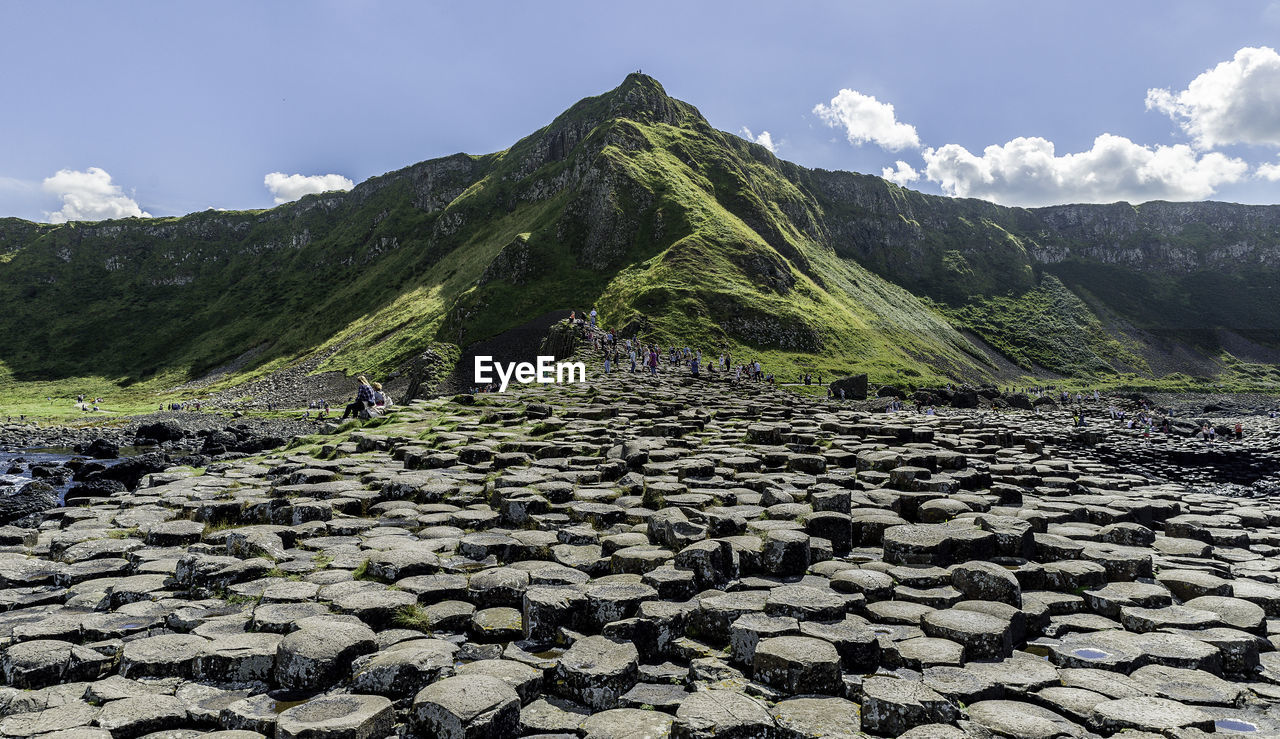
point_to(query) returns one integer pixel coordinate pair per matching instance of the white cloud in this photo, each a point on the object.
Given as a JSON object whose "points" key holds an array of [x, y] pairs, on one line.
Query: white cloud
{"points": [[1027, 172], [1269, 172], [1236, 102], [902, 175], [290, 187], [89, 196], [866, 119], [765, 138]]}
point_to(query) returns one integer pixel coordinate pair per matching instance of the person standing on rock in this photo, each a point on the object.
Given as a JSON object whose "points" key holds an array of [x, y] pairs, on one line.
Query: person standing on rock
{"points": [[593, 317], [364, 399]]}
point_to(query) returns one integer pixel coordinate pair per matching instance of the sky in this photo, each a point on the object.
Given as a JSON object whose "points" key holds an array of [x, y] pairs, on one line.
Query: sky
{"points": [[162, 108]]}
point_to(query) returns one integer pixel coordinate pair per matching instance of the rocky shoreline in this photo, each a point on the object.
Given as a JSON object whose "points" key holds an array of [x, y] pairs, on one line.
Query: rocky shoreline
{"points": [[178, 428], [73, 465], [671, 556]]}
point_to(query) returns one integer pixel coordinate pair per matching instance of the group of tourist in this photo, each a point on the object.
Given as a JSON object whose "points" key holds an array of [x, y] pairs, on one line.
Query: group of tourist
{"points": [[616, 353]]}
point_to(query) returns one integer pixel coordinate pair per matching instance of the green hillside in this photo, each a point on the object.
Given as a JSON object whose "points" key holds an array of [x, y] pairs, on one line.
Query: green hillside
{"points": [[630, 201]]}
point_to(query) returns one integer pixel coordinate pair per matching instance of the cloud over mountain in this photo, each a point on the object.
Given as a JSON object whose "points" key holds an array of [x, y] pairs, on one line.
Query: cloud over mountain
{"points": [[289, 187], [1028, 172], [89, 196]]}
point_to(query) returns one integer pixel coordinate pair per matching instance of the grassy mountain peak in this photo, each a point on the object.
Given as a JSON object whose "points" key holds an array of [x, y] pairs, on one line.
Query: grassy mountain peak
{"points": [[632, 202]]}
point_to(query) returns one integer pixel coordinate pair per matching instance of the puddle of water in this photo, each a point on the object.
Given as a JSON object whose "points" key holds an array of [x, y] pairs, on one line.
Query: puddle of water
{"points": [[1090, 653], [1038, 650], [282, 706], [548, 654], [1231, 724]]}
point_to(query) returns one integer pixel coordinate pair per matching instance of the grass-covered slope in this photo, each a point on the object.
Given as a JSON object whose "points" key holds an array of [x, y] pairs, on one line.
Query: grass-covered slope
{"points": [[630, 201]]}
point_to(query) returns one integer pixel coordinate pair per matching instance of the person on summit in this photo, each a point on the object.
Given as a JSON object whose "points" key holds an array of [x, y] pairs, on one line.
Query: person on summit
{"points": [[364, 399]]}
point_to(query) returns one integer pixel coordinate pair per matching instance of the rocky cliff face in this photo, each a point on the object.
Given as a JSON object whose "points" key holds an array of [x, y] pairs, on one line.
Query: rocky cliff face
{"points": [[1162, 237]]}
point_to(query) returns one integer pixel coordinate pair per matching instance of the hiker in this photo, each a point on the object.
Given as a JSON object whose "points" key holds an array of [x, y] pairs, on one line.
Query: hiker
{"points": [[653, 360], [693, 366], [1239, 431], [364, 399], [631, 353], [593, 317]]}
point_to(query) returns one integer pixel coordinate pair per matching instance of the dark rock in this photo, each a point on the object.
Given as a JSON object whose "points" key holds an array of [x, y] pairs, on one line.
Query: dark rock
{"points": [[33, 498]]}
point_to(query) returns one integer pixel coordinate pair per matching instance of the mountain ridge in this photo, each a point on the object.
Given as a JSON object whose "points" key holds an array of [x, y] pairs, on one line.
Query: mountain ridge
{"points": [[633, 201]]}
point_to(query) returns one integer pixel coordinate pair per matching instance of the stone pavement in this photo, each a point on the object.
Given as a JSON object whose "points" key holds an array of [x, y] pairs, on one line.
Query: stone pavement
{"points": [[648, 557]]}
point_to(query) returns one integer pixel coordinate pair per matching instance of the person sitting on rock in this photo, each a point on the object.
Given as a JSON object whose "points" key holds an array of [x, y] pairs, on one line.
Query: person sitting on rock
{"points": [[380, 399], [364, 399]]}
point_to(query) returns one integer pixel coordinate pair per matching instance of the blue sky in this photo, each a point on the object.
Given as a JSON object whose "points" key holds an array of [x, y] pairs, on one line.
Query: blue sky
{"points": [[167, 108]]}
